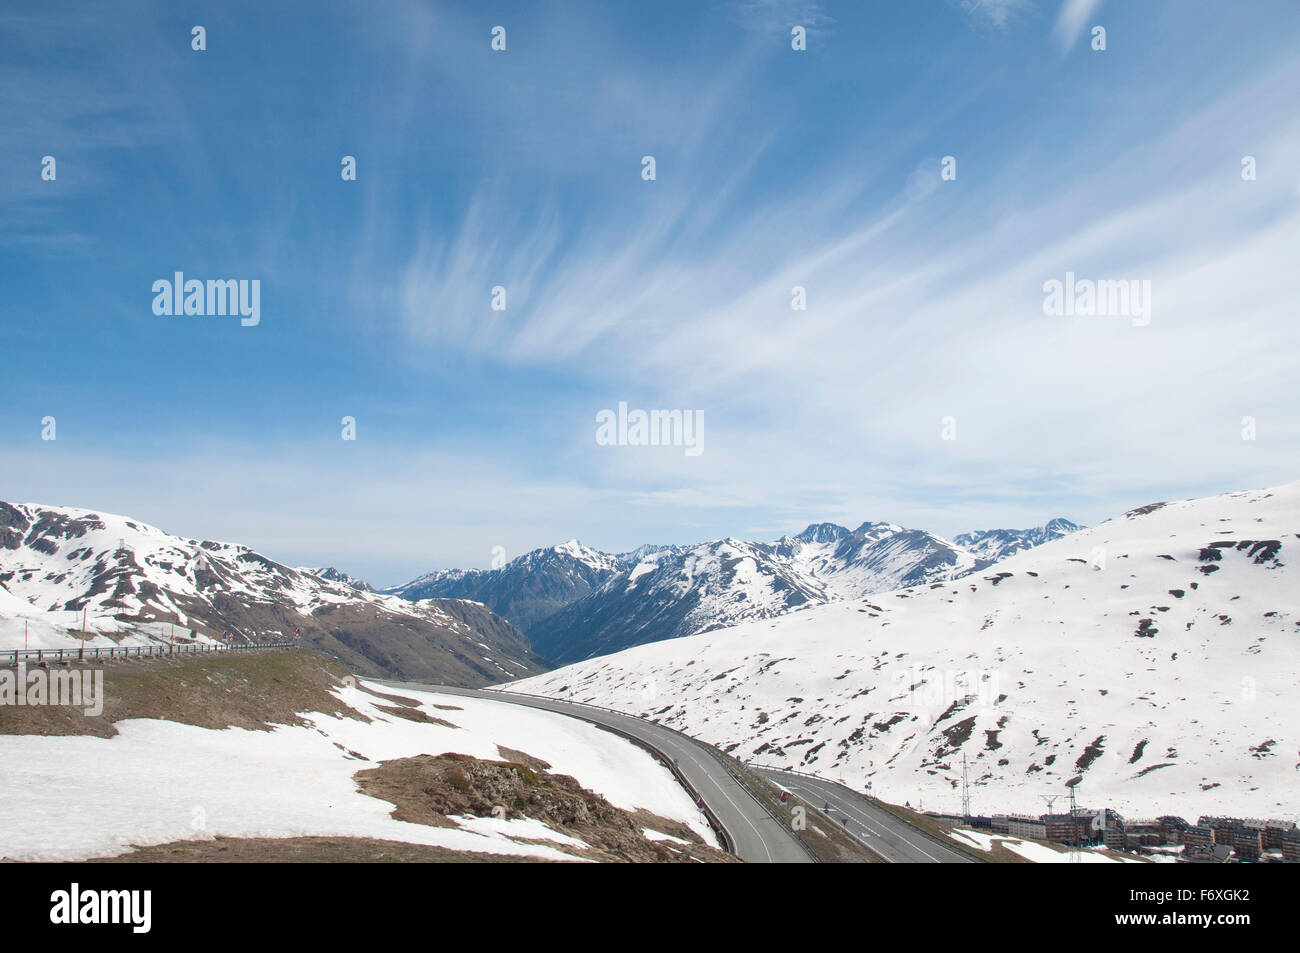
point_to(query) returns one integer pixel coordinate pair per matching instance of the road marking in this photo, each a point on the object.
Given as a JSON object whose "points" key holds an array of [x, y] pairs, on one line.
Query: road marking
{"points": [[712, 781], [829, 796], [809, 794]]}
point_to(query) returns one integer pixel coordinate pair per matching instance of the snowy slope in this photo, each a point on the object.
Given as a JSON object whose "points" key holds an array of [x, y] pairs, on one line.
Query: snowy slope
{"points": [[160, 781], [132, 580], [1154, 658]]}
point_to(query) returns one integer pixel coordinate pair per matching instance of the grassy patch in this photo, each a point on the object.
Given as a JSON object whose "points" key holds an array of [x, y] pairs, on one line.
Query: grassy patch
{"points": [[249, 690]]}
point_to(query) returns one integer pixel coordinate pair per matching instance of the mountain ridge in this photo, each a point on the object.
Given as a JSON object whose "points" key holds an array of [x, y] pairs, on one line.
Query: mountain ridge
{"points": [[62, 568], [575, 602]]}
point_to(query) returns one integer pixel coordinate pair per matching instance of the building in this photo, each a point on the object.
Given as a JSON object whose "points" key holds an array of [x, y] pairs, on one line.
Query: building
{"points": [[1145, 832], [1068, 828], [1247, 843], [1032, 828], [1291, 844], [1274, 832]]}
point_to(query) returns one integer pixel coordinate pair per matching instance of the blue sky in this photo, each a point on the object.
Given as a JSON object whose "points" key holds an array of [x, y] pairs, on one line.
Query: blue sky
{"points": [[522, 168]]}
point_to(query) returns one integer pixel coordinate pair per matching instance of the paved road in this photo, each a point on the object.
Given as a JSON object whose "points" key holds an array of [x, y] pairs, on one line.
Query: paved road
{"points": [[893, 839], [756, 835]]}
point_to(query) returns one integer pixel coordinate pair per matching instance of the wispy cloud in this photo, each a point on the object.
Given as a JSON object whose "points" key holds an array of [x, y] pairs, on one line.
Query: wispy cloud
{"points": [[522, 169], [1072, 20], [997, 13], [778, 16], [899, 333]]}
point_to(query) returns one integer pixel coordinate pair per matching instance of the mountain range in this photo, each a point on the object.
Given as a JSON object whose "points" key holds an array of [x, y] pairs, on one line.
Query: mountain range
{"points": [[550, 606], [1148, 663], [575, 602]]}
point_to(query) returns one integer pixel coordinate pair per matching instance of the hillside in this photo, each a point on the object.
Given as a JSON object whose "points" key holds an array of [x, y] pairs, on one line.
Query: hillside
{"points": [[282, 755], [1149, 661], [132, 583]]}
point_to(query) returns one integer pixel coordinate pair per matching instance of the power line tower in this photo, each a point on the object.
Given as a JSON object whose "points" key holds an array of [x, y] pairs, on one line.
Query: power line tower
{"points": [[965, 788], [1075, 855]]}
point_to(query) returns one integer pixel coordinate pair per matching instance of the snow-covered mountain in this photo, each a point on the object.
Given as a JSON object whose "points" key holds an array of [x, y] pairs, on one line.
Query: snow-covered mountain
{"points": [[670, 593], [1150, 662], [875, 557], [524, 590], [995, 544], [675, 592], [132, 582], [575, 602]]}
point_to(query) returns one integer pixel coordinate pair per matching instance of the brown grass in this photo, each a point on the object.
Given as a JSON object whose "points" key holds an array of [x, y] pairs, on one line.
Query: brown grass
{"points": [[254, 691]]}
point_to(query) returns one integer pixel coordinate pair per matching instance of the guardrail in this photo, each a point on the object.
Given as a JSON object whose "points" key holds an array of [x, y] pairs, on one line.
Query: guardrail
{"points": [[717, 755], [123, 652], [784, 769]]}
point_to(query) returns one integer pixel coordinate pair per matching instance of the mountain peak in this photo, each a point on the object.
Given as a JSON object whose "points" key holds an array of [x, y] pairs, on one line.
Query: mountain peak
{"points": [[822, 533]]}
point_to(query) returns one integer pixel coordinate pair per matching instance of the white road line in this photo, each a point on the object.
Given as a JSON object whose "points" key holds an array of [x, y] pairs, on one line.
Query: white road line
{"points": [[810, 794], [830, 797], [759, 833]]}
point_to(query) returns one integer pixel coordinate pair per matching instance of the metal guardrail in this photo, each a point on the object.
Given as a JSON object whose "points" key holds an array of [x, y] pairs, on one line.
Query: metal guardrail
{"points": [[782, 768], [714, 752], [123, 652]]}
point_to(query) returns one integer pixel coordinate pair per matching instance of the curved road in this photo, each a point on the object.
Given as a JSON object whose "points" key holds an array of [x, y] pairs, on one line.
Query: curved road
{"points": [[896, 841], [757, 837]]}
